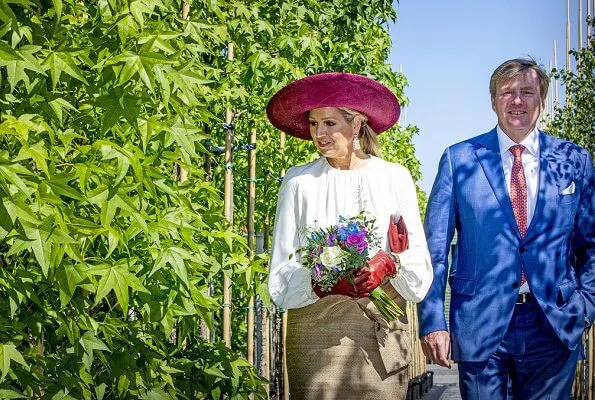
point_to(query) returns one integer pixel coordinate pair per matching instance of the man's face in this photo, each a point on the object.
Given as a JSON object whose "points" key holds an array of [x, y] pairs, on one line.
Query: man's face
{"points": [[518, 103]]}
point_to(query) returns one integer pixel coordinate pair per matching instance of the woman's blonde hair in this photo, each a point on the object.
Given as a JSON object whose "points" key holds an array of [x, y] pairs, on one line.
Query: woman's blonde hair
{"points": [[367, 137]]}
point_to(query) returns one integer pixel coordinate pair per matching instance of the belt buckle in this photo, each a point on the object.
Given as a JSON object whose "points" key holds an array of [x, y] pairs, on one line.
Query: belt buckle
{"points": [[523, 298]]}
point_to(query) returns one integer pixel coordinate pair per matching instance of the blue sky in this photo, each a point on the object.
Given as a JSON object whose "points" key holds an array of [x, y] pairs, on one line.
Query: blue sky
{"points": [[448, 51]]}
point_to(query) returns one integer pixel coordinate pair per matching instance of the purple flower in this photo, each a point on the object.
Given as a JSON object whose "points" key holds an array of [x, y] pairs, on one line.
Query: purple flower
{"points": [[317, 271], [316, 252], [355, 239], [361, 247], [331, 239]]}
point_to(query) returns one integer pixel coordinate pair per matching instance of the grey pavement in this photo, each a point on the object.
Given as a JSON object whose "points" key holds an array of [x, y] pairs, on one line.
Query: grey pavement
{"points": [[446, 383]]}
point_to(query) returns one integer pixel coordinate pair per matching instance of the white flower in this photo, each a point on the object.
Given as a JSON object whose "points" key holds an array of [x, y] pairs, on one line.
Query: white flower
{"points": [[331, 256]]}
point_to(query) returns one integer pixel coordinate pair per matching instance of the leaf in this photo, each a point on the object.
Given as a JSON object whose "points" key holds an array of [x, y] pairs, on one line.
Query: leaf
{"points": [[68, 279], [9, 353], [181, 134], [10, 173], [61, 188], [16, 69], [118, 279], [59, 62], [157, 394], [7, 15], [58, 105], [41, 249], [10, 394], [215, 372], [37, 153], [100, 391], [175, 257], [6, 221], [63, 395], [58, 10], [90, 342], [7, 53]]}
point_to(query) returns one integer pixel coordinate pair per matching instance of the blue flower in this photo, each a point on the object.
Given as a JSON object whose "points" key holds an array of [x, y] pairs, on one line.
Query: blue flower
{"points": [[352, 227], [343, 232]]}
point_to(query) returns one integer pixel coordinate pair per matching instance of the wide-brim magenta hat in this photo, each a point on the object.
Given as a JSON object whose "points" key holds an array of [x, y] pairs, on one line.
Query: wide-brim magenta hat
{"points": [[288, 108]]}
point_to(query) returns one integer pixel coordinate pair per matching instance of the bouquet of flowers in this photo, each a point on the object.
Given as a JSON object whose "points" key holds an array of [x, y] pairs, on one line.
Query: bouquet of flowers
{"points": [[339, 250]]}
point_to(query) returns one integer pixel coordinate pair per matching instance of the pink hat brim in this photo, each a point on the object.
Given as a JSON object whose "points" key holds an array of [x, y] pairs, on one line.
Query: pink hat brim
{"points": [[288, 108]]}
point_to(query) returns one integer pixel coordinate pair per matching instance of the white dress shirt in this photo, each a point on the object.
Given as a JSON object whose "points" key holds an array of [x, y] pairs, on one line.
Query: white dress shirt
{"points": [[316, 194], [530, 159]]}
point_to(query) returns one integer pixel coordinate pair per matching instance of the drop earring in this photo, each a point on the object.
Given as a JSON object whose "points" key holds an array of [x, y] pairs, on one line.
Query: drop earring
{"points": [[356, 144]]}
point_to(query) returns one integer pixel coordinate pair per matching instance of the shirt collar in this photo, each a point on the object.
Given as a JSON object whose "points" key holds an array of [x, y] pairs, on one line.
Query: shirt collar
{"points": [[531, 142]]}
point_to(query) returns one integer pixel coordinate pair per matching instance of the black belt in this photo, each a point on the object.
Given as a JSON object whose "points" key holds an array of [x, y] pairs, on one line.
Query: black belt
{"points": [[523, 298]]}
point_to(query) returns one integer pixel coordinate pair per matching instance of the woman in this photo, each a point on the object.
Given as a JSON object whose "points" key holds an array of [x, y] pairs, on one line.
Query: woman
{"points": [[338, 345]]}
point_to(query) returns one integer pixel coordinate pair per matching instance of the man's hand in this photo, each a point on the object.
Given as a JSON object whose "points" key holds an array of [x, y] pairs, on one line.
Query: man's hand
{"points": [[436, 346]]}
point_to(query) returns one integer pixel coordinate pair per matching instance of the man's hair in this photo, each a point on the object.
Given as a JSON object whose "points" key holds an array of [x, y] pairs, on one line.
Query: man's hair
{"points": [[512, 68]]}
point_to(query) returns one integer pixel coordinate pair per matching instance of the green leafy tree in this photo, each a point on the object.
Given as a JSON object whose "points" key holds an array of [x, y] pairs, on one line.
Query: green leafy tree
{"points": [[105, 253], [576, 120]]}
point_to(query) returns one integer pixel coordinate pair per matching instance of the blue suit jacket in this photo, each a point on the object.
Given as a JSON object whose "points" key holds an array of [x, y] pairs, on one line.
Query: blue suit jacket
{"points": [[557, 253]]}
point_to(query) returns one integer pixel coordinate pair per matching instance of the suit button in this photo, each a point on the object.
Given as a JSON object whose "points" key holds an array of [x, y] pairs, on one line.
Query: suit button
{"points": [[515, 285], [522, 249]]}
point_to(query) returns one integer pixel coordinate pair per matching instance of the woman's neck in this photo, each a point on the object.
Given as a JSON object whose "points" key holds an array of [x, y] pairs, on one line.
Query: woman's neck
{"points": [[354, 160]]}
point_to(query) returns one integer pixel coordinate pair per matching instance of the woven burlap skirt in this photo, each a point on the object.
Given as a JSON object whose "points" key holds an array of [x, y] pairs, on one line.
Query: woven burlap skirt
{"points": [[341, 348]]}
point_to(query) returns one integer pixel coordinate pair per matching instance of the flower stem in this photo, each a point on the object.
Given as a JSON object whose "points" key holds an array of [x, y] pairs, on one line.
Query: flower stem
{"points": [[385, 305]]}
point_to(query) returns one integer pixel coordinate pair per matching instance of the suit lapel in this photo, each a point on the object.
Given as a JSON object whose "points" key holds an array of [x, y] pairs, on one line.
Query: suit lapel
{"points": [[488, 154], [547, 186]]}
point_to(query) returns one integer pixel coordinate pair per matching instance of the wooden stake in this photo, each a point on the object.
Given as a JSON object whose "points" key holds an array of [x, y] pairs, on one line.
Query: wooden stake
{"points": [[265, 370], [286, 387], [205, 332], [284, 315], [228, 204], [580, 24], [567, 37], [268, 335], [251, 193], [556, 98], [589, 29], [549, 100], [251, 244], [590, 360], [185, 9]]}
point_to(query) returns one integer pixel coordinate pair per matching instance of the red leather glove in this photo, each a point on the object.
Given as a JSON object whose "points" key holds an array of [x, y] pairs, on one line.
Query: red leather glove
{"points": [[398, 237], [371, 276], [342, 287]]}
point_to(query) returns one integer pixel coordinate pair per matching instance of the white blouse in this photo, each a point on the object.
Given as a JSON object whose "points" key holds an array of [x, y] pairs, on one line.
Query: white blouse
{"points": [[316, 194]]}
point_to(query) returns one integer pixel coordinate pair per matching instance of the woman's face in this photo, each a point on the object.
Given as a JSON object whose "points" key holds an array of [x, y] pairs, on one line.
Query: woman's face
{"points": [[331, 132]]}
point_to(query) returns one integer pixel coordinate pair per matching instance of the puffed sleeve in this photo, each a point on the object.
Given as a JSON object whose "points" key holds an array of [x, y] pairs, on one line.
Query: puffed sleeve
{"points": [[289, 283], [415, 276]]}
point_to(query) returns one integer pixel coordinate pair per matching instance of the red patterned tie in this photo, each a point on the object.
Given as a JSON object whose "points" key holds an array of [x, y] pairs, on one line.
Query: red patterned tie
{"points": [[518, 193]]}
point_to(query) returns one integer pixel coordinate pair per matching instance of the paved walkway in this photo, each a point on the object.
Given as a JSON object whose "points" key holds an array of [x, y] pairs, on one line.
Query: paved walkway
{"points": [[446, 383]]}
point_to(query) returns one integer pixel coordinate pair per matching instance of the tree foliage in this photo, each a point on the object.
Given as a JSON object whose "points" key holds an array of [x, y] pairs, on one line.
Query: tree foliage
{"points": [[576, 120], [105, 253]]}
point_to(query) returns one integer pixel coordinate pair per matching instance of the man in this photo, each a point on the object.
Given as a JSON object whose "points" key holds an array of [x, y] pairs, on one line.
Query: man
{"points": [[522, 278]]}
